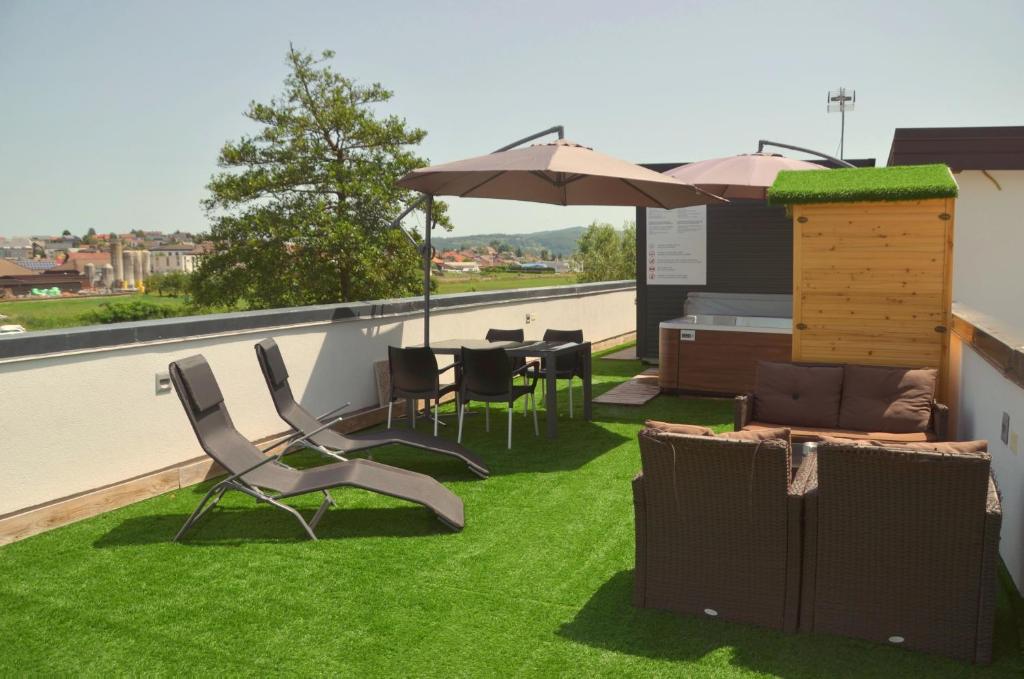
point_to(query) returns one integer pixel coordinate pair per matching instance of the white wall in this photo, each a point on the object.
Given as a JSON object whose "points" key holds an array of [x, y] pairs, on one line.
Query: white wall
{"points": [[59, 438], [985, 395], [988, 248], [988, 288]]}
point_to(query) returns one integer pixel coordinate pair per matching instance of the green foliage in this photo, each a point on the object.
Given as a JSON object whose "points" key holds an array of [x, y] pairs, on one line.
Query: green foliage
{"points": [[556, 242], [901, 182], [300, 212], [135, 310], [170, 283], [604, 254]]}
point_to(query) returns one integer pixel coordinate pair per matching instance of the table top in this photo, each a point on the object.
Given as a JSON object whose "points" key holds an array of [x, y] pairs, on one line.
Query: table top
{"points": [[527, 348]]}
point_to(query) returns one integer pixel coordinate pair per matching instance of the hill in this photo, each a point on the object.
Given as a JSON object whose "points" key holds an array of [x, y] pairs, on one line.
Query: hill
{"points": [[556, 241]]}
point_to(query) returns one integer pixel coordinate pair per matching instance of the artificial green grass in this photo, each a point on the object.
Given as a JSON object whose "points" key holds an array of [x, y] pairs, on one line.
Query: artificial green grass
{"points": [[901, 182], [538, 584]]}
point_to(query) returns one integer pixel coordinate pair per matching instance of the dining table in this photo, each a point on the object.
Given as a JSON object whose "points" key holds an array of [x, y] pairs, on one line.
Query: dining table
{"points": [[545, 350]]}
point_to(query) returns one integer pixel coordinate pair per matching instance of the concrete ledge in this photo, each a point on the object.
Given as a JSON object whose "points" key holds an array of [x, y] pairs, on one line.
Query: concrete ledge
{"points": [[97, 337], [999, 351]]}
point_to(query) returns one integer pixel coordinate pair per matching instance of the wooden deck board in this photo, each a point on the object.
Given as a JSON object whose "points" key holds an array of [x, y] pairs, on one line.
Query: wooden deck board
{"points": [[635, 392]]}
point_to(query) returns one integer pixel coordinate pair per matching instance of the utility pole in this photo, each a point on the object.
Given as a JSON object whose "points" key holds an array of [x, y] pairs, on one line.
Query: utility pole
{"points": [[840, 101]]}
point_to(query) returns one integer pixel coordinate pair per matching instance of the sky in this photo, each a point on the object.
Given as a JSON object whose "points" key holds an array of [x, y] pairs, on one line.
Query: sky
{"points": [[112, 113]]}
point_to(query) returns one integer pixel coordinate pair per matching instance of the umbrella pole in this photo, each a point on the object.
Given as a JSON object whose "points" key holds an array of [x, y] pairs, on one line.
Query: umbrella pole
{"points": [[427, 252]]}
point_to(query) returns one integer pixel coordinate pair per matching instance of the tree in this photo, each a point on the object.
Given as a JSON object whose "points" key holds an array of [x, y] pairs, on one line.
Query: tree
{"points": [[519, 252], [604, 254], [171, 283], [545, 256], [90, 236], [300, 210], [65, 234]]}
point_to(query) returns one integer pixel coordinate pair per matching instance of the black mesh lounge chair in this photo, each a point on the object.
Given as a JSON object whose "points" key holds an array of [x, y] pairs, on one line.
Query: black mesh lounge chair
{"points": [[566, 367], [335, 444], [415, 375], [487, 376], [267, 479]]}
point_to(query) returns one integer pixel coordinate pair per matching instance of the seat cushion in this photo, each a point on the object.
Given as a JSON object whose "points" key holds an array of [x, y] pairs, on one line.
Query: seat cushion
{"points": [[944, 447], [877, 398], [798, 395], [671, 428], [808, 434], [759, 434]]}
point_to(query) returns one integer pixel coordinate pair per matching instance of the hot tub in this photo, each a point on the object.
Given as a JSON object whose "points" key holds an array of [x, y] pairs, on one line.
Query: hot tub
{"points": [[717, 353]]}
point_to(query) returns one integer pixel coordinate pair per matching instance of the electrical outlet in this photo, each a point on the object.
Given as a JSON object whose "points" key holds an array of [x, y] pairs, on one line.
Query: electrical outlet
{"points": [[530, 318], [1004, 433], [163, 383]]}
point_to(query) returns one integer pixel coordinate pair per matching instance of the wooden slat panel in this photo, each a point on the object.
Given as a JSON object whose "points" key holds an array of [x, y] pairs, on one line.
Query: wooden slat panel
{"points": [[872, 283], [668, 358], [726, 362]]}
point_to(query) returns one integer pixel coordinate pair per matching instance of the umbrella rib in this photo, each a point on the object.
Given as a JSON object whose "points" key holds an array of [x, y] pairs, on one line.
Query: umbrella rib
{"points": [[486, 181], [644, 193]]}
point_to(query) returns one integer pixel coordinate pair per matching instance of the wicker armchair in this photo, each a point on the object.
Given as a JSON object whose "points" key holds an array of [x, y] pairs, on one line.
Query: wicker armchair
{"points": [[717, 529], [901, 547]]}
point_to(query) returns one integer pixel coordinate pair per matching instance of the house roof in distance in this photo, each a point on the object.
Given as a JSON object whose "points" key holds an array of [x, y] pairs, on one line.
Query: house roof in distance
{"points": [[9, 268], [962, 148], [849, 185]]}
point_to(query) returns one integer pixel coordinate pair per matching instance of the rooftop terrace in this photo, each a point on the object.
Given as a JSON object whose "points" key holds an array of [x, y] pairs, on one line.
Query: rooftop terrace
{"points": [[538, 584]]}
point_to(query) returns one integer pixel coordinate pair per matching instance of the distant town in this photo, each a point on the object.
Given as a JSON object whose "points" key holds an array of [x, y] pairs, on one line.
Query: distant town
{"points": [[104, 263], [113, 265], [95, 263]]}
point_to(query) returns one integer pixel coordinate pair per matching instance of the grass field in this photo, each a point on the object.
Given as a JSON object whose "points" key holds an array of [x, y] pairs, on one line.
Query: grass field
{"points": [[502, 281], [539, 583], [47, 314]]}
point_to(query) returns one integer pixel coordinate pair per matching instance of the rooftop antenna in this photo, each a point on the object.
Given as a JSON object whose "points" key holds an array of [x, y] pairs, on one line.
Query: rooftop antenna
{"points": [[840, 101]]}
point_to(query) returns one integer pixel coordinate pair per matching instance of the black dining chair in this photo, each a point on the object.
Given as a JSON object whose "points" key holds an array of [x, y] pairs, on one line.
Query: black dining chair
{"points": [[512, 335], [487, 376], [566, 367], [415, 375]]}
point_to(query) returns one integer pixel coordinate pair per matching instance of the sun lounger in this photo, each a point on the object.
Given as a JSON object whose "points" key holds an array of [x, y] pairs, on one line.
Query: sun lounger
{"points": [[333, 443], [266, 479]]}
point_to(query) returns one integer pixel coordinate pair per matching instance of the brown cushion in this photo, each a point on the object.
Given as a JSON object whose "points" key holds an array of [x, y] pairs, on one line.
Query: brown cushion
{"points": [[780, 433], [797, 394], [671, 428], [946, 447], [877, 398], [803, 434]]}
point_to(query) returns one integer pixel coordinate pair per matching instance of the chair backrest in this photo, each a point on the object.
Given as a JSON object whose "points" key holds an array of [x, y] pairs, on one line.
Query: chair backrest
{"points": [[276, 375], [499, 335], [899, 541], [565, 363], [486, 372], [717, 524], [203, 401], [413, 371]]}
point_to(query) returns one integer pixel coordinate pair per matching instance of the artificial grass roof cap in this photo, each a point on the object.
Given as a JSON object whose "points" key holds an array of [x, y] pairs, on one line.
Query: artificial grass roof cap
{"points": [[847, 185]]}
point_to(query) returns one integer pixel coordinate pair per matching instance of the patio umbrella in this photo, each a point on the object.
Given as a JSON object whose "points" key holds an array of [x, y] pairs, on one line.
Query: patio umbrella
{"points": [[744, 176], [559, 173]]}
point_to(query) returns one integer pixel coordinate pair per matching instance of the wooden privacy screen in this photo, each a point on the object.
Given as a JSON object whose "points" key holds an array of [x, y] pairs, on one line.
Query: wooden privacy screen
{"points": [[872, 283]]}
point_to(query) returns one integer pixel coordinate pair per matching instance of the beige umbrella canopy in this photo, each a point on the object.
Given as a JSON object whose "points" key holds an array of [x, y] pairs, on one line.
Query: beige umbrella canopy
{"points": [[559, 173], [745, 176]]}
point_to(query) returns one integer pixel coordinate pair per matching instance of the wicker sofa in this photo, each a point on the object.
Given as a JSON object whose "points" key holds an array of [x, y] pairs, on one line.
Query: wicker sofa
{"points": [[717, 529], [894, 544], [900, 547], [895, 405]]}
